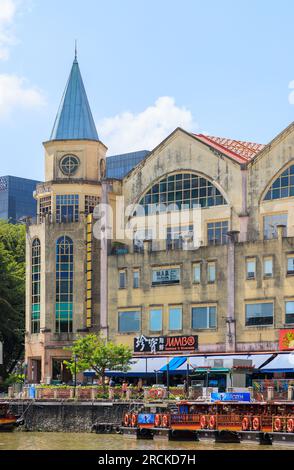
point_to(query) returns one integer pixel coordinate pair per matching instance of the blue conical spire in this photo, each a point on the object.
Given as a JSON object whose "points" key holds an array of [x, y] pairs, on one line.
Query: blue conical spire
{"points": [[74, 120]]}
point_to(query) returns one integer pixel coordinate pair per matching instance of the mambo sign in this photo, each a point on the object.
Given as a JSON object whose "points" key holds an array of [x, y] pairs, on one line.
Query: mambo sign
{"points": [[156, 344]]}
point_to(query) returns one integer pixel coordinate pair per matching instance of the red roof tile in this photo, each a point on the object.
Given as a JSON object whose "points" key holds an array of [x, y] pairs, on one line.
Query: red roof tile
{"points": [[239, 150]]}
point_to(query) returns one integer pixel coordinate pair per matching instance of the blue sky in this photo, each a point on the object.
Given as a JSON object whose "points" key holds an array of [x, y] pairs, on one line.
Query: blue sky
{"points": [[220, 67]]}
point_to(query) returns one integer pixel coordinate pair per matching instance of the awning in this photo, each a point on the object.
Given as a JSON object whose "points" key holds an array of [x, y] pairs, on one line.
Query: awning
{"points": [[280, 363], [207, 362], [142, 367], [149, 366], [174, 364]]}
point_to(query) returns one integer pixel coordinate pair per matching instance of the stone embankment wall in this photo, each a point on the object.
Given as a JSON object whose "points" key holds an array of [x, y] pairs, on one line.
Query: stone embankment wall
{"points": [[68, 416]]}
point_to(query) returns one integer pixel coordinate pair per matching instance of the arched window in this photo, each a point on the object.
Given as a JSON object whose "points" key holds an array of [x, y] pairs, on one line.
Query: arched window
{"points": [[64, 285], [181, 189], [36, 283], [283, 186]]}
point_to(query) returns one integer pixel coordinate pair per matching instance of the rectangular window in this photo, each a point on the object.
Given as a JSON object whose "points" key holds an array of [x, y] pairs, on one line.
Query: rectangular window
{"points": [[197, 273], [270, 223], [289, 309], [90, 203], [175, 318], [136, 279], [259, 314], [203, 317], [122, 280], [67, 208], [155, 319], [176, 237], [268, 267], [45, 207], [165, 276], [139, 237], [290, 265], [211, 272], [129, 321], [251, 268], [217, 233]]}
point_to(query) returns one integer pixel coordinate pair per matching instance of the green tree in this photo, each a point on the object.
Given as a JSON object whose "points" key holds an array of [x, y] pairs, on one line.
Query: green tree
{"points": [[94, 352], [12, 295]]}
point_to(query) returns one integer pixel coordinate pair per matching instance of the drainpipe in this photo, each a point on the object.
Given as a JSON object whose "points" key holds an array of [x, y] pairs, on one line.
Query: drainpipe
{"points": [[104, 266], [230, 318], [244, 216]]}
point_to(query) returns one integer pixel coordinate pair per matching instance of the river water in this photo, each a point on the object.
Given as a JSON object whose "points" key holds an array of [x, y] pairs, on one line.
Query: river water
{"points": [[75, 441]]}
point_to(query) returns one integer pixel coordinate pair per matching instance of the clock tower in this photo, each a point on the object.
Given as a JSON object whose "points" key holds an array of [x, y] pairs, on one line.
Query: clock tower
{"points": [[62, 287]]}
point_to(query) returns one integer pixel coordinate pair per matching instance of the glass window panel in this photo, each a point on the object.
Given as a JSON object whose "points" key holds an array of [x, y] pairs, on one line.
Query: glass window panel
{"points": [[155, 320], [136, 279], [122, 279], [268, 267], [129, 321], [289, 307], [211, 272], [259, 314], [290, 264], [212, 317], [175, 318], [197, 272], [64, 285], [170, 189], [251, 268]]}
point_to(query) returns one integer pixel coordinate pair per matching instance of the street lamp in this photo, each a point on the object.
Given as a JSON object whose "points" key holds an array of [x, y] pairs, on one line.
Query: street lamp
{"points": [[75, 374]]}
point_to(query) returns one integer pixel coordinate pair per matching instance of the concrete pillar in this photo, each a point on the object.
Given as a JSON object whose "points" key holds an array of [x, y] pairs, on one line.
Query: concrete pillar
{"points": [[71, 393], [93, 394], [270, 393], [230, 320], [290, 392], [111, 393], [281, 231], [10, 392], [55, 394], [250, 390], [128, 394], [104, 264]]}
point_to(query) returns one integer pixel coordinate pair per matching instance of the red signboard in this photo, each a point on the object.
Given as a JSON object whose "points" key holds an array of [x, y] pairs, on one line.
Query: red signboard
{"points": [[286, 340]]}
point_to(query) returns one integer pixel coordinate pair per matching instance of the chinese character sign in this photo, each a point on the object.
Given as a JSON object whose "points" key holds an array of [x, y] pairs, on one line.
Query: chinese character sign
{"points": [[165, 344]]}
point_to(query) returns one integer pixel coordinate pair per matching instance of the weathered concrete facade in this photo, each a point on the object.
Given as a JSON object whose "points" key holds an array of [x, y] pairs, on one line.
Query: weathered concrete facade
{"points": [[234, 289]]}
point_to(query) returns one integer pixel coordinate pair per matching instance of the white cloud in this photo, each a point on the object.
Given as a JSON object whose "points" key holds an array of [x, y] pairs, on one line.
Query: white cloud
{"points": [[127, 132], [14, 93], [8, 10]]}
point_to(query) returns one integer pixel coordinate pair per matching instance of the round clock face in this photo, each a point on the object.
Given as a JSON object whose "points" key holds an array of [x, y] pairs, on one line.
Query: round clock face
{"points": [[69, 164]]}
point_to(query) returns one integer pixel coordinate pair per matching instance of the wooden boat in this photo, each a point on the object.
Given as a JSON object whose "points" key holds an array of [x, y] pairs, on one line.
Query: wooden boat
{"points": [[259, 417], [7, 420]]}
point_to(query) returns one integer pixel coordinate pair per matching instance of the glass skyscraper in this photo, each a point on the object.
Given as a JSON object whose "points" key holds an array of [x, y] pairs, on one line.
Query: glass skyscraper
{"points": [[16, 198]]}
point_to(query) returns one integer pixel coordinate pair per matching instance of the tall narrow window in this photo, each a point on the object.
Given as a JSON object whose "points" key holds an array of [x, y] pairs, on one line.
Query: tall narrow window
{"points": [[211, 271], [136, 279], [251, 268], [36, 283], [64, 285], [268, 267], [122, 279], [175, 318], [155, 319], [197, 273]]}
